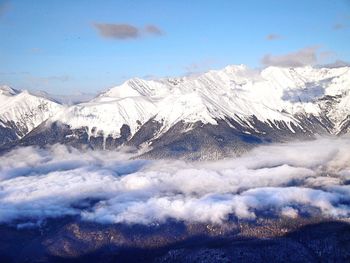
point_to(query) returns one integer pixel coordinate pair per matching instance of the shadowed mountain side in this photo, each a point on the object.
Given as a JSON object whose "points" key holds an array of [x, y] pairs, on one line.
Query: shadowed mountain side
{"points": [[200, 141], [191, 141], [70, 240]]}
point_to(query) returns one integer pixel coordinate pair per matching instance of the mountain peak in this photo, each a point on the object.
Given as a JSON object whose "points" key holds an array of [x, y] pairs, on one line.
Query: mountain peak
{"points": [[236, 68], [8, 91]]}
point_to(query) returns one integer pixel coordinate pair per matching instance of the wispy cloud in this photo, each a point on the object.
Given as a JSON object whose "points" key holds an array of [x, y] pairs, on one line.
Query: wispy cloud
{"points": [[199, 66], [272, 37], [153, 30], [337, 64], [38, 80], [339, 26], [36, 50], [126, 31], [284, 179], [302, 57]]}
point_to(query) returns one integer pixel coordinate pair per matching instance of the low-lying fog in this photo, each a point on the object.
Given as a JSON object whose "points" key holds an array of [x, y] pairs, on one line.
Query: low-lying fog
{"points": [[301, 178]]}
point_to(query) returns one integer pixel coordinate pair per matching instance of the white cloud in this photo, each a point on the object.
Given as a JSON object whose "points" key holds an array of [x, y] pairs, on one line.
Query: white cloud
{"points": [[284, 179]]}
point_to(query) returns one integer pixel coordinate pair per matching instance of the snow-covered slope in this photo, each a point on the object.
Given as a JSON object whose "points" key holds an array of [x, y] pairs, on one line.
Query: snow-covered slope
{"points": [[107, 117], [237, 92], [21, 112]]}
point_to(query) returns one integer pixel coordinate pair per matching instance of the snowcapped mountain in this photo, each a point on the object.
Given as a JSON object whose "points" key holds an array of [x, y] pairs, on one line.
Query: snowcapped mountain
{"points": [[206, 116], [21, 112]]}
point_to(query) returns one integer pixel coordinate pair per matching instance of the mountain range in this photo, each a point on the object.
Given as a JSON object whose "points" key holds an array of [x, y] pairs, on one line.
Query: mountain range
{"points": [[208, 116]]}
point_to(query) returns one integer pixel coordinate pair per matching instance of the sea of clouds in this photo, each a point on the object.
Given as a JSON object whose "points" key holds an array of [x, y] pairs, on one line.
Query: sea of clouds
{"points": [[289, 180]]}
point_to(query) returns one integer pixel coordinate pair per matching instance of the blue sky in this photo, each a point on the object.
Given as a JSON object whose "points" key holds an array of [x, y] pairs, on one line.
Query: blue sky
{"points": [[67, 46]]}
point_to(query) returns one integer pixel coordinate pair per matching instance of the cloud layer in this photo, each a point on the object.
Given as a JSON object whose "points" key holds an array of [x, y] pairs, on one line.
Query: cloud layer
{"points": [[126, 31], [278, 180]]}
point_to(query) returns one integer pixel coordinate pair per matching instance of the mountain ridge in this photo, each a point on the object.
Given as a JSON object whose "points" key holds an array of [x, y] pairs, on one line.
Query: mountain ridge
{"points": [[272, 104]]}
